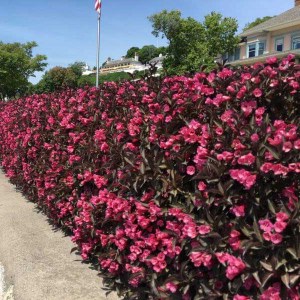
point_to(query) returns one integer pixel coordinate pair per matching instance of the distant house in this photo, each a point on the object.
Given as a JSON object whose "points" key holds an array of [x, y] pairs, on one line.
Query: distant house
{"points": [[86, 70], [123, 65], [158, 61], [277, 36]]}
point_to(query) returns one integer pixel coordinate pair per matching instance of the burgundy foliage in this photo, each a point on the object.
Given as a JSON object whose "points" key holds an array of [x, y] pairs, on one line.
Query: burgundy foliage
{"points": [[176, 188]]}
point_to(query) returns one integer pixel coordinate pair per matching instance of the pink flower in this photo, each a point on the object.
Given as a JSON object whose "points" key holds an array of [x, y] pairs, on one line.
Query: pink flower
{"points": [[172, 287], [227, 156], [239, 210], [247, 159], [222, 257], [287, 146], [266, 225], [204, 229], [255, 138], [244, 177], [272, 293], [190, 170], [257, 93], [241, 297], [201, 186], [281, 216], [234, 240], [271, 60], [279, 226], [201, 258], [248, 107], [219, 130]]}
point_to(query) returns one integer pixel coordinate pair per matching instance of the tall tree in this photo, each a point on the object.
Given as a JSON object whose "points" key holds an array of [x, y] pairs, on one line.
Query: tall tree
{"points": [[192, 43], [132, 51], [17, 64], [56, 79], [77, 67], [257, 21], [147, 53]]}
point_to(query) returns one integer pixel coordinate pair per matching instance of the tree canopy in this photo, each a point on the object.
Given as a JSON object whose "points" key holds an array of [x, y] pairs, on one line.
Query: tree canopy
{"points": [[192, 43], [17, 64], [257, 21], [59, 78], [146, 53]]}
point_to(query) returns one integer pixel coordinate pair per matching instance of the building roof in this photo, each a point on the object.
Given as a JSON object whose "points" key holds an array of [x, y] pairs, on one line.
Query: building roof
{"points": [[157, 59], [286, 19], [112, 63]]}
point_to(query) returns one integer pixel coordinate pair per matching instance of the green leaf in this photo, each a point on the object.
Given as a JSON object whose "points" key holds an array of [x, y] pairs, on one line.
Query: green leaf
{"points": [[268, 267], [292, 252], [286, 280]]}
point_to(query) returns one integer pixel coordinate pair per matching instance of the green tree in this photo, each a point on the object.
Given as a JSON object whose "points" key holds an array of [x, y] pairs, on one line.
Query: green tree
{"points": [[192, 43], [77, 67], [131, 52], [257, 21], [220, 34], [147, 53], [57, 78], [17, 64]]}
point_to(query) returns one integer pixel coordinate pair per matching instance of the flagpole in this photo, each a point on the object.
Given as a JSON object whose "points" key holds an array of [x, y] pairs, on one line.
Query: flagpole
{"points": [[98, 50]]}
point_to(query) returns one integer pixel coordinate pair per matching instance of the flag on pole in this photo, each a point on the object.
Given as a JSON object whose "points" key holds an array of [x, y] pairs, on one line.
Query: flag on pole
{"points": [[98, 6], [98, 9]]}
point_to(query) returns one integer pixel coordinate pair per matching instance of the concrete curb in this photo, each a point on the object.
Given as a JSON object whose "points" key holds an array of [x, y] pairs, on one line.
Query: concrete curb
{"points": [[37, 259], [6, 293]]}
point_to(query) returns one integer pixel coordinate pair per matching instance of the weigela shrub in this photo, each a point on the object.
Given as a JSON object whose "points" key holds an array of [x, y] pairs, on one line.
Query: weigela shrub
{"points": [[176, 188]]}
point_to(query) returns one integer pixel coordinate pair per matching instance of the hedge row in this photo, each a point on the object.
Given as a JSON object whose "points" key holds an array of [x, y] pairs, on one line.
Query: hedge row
{"points": [[175, 188]]}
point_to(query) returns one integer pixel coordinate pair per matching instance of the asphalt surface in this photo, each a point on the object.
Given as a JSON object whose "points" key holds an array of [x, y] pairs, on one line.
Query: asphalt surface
{"points": [[36, 259]]}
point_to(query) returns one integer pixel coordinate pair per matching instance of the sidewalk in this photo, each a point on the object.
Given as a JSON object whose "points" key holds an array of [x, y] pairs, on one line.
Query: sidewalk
{"points": [[36, 259]]}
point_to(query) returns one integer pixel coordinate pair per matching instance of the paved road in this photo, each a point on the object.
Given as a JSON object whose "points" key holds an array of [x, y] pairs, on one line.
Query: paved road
{"points": [[36, 259]]}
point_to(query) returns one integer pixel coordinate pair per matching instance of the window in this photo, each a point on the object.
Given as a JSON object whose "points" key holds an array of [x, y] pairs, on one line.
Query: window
{"points": [[234, 56], [296, 41], [256, 49], [279, 44], [261, 48], [252, 50]]}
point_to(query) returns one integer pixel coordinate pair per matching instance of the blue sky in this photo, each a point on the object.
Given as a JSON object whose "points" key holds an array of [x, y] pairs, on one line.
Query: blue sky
{"points": [[66, 30]]}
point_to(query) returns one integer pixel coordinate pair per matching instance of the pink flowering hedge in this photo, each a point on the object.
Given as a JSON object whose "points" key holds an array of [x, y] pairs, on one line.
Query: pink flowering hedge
{"points": [[181, 188]]}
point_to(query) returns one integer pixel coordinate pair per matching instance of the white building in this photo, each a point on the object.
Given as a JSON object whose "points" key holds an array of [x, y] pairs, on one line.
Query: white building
{"points": [[128, 65], [86, 70]]}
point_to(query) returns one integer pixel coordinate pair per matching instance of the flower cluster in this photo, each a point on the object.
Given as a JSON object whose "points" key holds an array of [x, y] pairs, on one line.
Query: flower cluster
{"points": [[185, 187]]}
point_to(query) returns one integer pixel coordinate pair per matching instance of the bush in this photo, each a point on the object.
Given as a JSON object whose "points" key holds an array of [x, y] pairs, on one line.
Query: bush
{"points": [[181, 188]]}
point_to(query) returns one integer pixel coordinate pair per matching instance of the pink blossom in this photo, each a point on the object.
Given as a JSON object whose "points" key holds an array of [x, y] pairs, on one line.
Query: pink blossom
{"points": [[244, 177], [279, 226], [257, 93], [271, 60], [227, 156], [201, 186], [266, 225], [241, 297], [247, 159], [239, 210], [281, 216], [248, 106], [234, 240], [219, 130], [276, 238], [204, 229], [255, 138], [172, 287], [201, 258], [272, 293], [190, 170]]}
